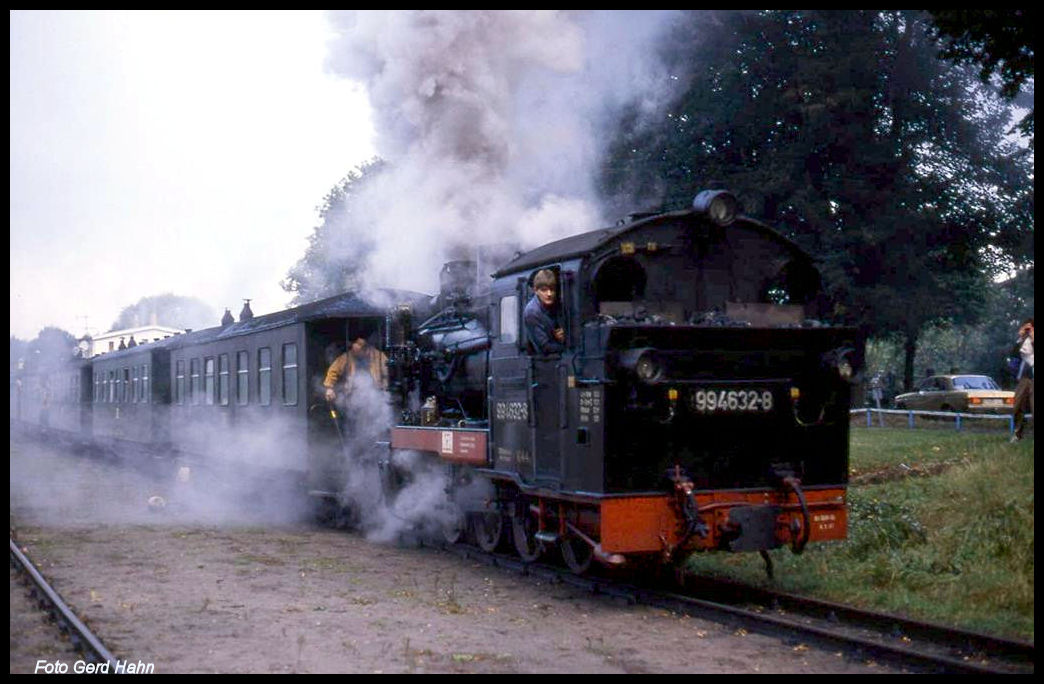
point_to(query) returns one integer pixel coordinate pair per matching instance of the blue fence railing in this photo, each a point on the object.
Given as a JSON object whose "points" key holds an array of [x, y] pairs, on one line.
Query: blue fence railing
{"points": [[957, 417]]}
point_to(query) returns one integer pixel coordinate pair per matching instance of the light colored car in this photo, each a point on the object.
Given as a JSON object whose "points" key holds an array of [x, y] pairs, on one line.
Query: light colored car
{"points": [[963, 393]]}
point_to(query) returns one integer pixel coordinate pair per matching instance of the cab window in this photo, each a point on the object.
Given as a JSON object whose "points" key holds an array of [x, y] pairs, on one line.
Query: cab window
{"points": [[509, 319]]}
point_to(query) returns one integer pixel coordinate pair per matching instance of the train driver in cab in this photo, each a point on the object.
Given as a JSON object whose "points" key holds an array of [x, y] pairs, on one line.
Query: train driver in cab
{"points": [[542, 315]]}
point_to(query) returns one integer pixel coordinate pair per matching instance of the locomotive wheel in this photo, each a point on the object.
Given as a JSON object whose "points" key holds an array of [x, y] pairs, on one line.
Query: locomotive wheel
{"points": [[523, 530], [489, 530], [577, 554], [453, 529]]}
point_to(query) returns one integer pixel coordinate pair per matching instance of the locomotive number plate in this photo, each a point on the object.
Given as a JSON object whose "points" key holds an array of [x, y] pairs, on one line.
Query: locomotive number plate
{"points": [[750, 400]]}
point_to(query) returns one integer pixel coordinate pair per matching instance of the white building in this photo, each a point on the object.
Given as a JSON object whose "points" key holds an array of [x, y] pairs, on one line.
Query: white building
{"points": [[110, 341]]}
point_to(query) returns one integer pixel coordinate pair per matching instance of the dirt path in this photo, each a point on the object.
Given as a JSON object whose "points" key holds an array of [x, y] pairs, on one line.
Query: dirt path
{"points": [[199, 597]]}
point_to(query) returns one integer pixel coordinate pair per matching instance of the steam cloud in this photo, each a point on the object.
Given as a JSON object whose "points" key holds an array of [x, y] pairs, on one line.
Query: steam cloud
{"points": [[491, 123]]}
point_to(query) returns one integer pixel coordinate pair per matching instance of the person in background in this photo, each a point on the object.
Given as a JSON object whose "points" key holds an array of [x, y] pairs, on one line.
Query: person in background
{"points": [[541, 315], [1024, 389]]}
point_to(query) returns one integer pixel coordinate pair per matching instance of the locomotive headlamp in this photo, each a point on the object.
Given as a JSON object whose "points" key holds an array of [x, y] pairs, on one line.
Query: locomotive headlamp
{"points": [[647, 369], [719, 206], [841, 360], [643, 364]]}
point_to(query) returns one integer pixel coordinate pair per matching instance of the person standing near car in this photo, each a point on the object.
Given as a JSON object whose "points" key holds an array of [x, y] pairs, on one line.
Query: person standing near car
{"points": [[1024, 389]]}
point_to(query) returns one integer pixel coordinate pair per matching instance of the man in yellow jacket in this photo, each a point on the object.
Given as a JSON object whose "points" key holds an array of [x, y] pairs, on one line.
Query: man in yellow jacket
{"points": [[360, 360]]}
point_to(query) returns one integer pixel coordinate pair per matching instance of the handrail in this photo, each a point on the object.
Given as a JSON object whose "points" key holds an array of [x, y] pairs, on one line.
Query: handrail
{"points": [[910, 413]]}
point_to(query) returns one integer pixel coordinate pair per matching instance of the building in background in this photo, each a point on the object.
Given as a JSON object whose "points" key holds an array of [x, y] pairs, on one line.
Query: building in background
{"points": [[114, 340]]}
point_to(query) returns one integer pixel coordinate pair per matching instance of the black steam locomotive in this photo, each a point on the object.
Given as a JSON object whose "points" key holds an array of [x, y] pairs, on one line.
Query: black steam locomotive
{"points": [[700, 402]]}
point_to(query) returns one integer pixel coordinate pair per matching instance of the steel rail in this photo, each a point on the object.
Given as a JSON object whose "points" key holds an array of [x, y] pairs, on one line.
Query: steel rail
{"points": [[963, 643], [834, 625], [887, 647], [83, 639]]}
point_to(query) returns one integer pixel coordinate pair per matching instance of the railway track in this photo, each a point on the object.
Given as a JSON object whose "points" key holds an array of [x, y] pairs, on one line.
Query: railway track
{"points": [[862, 635], [83, 640]]}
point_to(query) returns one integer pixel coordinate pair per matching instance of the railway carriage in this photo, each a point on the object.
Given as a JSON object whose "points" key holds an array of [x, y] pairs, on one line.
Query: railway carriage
{"points": [[248, 393], [128, 395], [53, 398]]}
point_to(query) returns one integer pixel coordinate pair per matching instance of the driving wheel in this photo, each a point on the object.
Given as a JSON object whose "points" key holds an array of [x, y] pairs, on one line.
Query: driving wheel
{"points": [[489, 530], [523, 530], [453, 527], [577, 554]]}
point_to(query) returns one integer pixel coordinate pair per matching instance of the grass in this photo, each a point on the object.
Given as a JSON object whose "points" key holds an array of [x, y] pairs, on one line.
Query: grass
{"points": [[940, 529]]}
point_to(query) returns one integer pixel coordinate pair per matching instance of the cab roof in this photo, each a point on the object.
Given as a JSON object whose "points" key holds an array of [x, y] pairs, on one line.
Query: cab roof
{"points": [[586, 243]]}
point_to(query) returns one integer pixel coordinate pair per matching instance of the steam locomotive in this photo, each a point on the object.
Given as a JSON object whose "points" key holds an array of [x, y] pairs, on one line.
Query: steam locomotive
{"points": [[700, 402]]}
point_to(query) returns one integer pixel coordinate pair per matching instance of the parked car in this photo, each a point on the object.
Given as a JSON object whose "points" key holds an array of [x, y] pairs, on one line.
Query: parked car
{"points": [[963, 393]]}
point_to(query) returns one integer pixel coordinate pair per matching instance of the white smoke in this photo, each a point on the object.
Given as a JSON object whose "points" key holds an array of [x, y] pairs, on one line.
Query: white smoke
{"points": [[492, 122], [388, 493]]}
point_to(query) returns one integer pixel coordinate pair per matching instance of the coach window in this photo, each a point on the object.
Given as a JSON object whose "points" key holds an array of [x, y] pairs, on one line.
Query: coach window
{"points": [[179, 382], [264, 376], [242, 378], [126, 385], [223, 380], [208, 380], [509, 319], [290, 374], [134, 385], [145, 383], [195, 383]]}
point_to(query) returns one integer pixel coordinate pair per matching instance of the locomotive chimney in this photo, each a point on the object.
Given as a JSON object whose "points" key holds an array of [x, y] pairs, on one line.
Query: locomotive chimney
{"points": [[457, 281]]}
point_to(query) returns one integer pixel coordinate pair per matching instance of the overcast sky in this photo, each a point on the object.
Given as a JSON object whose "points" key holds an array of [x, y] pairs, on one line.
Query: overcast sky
{"points": [[156, 152]]}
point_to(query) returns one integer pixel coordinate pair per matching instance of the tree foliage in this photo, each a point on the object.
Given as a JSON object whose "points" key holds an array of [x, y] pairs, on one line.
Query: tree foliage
{"points": [[167, 309], [997, 41], [18, 349], [49, 349], [946, 346], [338, 246], [845, 130]]}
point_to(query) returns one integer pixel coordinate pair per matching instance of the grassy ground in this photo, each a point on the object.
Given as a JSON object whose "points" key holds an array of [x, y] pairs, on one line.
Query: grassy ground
{"points": [[940, 528]]}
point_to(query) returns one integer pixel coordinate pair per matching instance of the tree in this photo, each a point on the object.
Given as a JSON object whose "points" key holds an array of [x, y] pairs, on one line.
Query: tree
{"points": [[167, 309], [18, 349], [338, 246], [994, 40], [978, 348], [51, 348], [845, 130]]}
